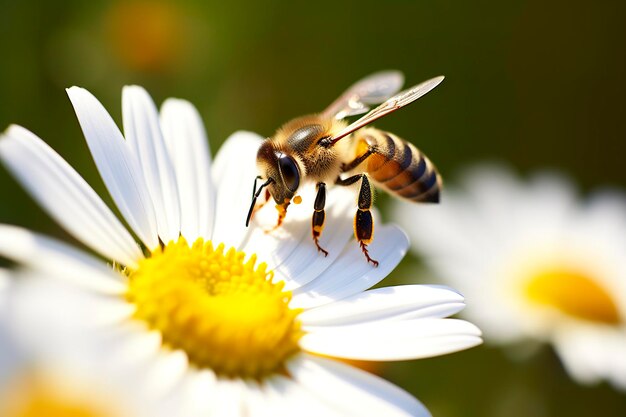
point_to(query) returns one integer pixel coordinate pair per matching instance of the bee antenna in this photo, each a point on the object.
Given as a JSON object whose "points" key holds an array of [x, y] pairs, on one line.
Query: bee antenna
{"points": [[255, 194], [258, 177]]}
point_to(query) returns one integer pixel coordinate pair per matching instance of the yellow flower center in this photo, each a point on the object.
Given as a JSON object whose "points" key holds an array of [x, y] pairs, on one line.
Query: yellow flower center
{"points": [[574, 294], [223, 312]]}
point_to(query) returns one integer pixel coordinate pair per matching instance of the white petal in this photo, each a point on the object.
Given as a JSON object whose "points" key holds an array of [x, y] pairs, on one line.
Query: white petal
{"points": [[306, 263], [138, 354], [415, 301], [276, 246], [133, 347], [292, 399], [354, 392], [351, 273], [257, 402], [615, 360], [66, 196], [59, 260], [187, 145], [290, 250], [65, 310], [229, 400], [166, 372], [143, 133], [200, 393], [575, 358], [279, 396], [234, 171], [5, 281], [63, 322], [591, 353], [11, 355], [392, 340], [117, 166]]}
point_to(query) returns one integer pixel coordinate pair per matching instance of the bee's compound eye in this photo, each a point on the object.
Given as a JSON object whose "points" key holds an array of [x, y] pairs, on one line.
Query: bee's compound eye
{"points": [[289, 172]]}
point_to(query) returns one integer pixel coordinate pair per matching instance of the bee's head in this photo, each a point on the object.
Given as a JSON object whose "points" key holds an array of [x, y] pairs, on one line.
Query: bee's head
{"points": [[281, 172], [281, 169]]}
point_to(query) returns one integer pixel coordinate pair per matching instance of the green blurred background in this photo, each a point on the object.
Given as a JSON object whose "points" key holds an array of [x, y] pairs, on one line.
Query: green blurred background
{"points": [[538, 84]]}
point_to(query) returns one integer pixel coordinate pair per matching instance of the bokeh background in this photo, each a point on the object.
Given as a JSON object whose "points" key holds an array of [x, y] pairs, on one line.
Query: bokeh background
{"points": [[535, 84]]}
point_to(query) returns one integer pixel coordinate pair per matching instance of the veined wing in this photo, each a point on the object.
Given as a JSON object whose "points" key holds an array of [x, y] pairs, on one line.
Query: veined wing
{"points": [[394, 103], [372, 89]]}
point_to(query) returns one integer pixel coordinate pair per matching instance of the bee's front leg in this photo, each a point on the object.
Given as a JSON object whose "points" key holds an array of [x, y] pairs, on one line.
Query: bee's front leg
{"points": [[282, 212], [319, 216], [363, 221]]}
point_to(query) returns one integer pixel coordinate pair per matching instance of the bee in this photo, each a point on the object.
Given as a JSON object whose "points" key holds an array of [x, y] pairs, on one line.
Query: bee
{"points": [[325, 149]]}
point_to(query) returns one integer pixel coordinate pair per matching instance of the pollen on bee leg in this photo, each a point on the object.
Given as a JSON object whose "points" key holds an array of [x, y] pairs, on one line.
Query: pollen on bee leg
{"points": [[282, 212], [297, 200]]}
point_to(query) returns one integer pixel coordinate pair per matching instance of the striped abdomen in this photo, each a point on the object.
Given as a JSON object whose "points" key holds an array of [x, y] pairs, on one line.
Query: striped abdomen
{"points": [[399, 167]]}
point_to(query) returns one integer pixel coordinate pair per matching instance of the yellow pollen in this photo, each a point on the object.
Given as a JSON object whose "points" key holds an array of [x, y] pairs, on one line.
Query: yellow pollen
{"points": [[223, 312], [281, 209], [574, 294]]}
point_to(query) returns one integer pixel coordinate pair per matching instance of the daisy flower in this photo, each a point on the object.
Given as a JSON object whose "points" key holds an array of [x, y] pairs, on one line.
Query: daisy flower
{"points": [[219, 318], [537, 264]]}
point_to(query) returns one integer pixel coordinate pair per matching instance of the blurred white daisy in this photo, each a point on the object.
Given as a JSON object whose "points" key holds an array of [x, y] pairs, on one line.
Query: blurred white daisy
{"points": [[537, 264], [36, 381], [218, 318]]}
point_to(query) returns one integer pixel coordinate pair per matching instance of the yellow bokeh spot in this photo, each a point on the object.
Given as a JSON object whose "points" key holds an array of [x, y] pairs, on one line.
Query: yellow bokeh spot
{"points": [[147, 36], [31, 397], [224, 312], [575, 294]]}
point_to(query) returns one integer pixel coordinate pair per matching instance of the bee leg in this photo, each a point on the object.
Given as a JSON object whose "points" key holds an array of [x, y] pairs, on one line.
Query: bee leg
{"points": [[363, 221], [357, 161], [319, 216], [282, 212]]}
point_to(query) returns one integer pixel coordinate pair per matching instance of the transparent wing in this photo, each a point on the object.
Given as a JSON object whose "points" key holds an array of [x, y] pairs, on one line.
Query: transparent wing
{"points": [[394, 103], [372, 89]]}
